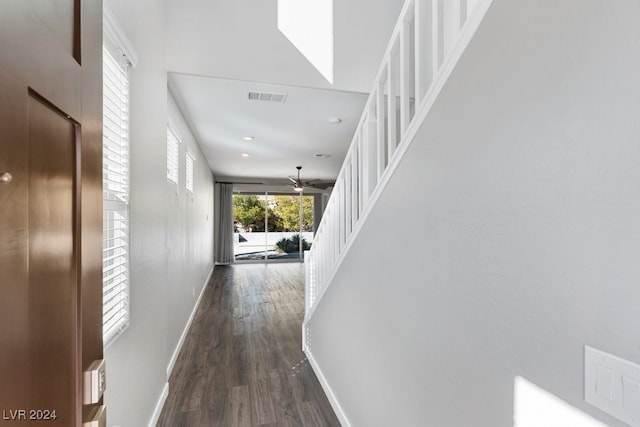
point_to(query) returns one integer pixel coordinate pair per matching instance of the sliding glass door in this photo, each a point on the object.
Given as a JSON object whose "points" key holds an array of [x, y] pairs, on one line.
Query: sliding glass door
{"points": [[272, 226]]}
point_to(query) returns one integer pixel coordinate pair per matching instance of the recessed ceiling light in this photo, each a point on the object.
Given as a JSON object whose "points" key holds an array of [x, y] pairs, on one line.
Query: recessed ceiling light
{"points": [[248, 138], [245, 154], [335, 120]]}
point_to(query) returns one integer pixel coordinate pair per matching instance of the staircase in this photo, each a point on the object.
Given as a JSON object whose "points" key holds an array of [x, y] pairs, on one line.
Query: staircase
{"points": [[425, 46], [504, 135], [427, 42]]}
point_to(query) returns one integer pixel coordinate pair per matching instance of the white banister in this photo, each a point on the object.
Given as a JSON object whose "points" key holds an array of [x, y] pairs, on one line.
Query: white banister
{"points": [[355, 210], [459, 14], [437, 36], [392, 104], [413, 72], [423, 68], [405, 76], [361, 163], [380, 132], [346, 183], [370, 163]]}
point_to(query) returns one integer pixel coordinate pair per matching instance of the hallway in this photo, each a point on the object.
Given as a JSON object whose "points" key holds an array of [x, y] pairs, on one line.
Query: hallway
{"points": [[241, 363]]}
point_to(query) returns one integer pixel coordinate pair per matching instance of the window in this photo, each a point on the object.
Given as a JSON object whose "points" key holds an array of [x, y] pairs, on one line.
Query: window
{"points": [[270, 225], [189, 172], [117, 58], [173, 152]]}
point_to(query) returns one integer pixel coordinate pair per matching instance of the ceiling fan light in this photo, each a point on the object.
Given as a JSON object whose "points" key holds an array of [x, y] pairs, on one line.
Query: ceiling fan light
{"points": [[298, 184]]}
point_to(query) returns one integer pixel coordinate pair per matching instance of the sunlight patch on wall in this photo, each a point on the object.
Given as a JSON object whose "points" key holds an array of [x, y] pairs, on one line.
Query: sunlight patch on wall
{"points": [[535, 407], [308, 24]]}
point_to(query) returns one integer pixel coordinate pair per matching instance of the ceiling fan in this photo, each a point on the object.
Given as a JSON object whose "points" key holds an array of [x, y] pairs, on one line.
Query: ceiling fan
{"points": [[299, 185]]}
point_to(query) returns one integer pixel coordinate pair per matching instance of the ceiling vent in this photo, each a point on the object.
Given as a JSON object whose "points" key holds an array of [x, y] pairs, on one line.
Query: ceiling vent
{"points": [[268, 97]]}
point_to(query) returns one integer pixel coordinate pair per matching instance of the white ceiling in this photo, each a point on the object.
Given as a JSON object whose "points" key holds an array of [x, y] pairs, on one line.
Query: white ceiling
{"points": [[286, 135], [219, 50]]}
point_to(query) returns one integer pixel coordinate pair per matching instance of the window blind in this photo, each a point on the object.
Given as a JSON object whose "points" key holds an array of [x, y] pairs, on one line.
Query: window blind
{"points": [[115, 170], [189, 172], [173, 152]]}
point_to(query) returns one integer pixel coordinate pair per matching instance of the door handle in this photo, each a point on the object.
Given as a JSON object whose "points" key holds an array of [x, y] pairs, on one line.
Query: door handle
{"points": [[6, 177]]}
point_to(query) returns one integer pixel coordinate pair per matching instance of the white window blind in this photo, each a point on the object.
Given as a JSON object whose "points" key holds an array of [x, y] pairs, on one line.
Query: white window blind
{"points": [[173, 153], [115, 170], [189, 172]]}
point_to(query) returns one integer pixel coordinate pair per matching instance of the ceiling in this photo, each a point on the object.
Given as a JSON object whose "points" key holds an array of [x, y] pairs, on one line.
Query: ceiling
{"points": [[220, 50]]}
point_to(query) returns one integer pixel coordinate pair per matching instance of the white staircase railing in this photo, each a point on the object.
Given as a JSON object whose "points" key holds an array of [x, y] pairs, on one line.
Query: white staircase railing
{"points": [[427, 42]]}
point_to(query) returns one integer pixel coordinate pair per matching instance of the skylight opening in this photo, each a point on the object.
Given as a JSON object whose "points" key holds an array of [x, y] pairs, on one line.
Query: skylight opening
{"points": [[309, 27]]}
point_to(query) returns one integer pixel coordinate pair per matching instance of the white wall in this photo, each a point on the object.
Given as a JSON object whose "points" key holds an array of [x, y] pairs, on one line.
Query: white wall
{"points": [[171, 231], [520, 232], [189, 243]]}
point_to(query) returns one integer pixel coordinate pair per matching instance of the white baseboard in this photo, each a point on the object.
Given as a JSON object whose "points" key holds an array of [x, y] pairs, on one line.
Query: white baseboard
{"points": [[327, 390], [165, 391], [159, 405], [176, 351]]}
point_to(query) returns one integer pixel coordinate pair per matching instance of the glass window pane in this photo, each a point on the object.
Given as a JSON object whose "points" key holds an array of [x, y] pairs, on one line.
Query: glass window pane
{"points": [[269, 226]]}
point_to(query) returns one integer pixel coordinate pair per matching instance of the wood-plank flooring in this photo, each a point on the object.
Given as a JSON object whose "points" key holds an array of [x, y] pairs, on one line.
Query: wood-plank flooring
{"points": [[241, 363]]}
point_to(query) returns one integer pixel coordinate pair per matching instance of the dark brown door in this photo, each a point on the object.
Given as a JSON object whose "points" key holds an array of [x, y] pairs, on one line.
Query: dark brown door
{"points": [[50, 236]]}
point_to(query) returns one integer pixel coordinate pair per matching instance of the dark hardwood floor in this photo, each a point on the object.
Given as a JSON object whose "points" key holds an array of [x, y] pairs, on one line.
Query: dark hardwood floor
{"points": [[241, 363]]}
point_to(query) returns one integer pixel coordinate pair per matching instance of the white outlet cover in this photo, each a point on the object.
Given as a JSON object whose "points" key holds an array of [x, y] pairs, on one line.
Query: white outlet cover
{"points": [[612, 384], [631, 395]]}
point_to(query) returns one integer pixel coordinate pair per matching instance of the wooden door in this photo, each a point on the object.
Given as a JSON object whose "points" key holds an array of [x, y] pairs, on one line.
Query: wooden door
{"points": [[50, 225]]}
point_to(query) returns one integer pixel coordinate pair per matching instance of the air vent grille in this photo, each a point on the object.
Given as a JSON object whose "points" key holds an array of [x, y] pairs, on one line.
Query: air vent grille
{"points": [[268, 97]]}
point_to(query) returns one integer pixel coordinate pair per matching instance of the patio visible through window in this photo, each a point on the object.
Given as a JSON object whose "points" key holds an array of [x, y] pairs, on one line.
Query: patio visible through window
{"points": [[272, 226]]}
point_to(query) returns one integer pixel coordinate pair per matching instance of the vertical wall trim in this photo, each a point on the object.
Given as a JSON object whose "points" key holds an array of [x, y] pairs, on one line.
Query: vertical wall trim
{"points": [[77, 31]]}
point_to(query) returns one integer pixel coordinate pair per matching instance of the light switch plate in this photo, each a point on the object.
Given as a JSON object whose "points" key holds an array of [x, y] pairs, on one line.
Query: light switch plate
{"points": [[94, 382], [612, 384], [98, 418]]}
